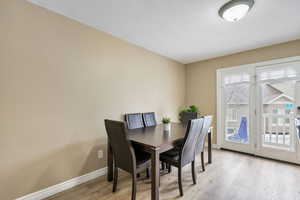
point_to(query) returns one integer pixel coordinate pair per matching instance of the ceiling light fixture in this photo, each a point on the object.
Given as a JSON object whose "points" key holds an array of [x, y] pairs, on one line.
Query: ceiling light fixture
{"points": [[235, 10]]}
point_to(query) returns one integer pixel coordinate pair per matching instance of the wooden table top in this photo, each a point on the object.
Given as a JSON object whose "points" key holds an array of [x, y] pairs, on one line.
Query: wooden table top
{"points": [[156, 137]]}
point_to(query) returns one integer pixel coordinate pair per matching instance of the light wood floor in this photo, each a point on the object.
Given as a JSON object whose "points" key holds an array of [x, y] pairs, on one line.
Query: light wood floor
{"points": [[232, 176]]}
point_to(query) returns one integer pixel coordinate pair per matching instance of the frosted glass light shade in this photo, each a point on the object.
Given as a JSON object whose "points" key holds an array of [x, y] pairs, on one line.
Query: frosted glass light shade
{"points": [[235, 10]]}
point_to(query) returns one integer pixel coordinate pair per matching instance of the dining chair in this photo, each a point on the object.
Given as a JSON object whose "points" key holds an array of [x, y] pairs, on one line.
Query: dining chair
{"points": [[202, 138], [149, 119], [125, 157], [180, 157], [134, 120], [200, 146]]}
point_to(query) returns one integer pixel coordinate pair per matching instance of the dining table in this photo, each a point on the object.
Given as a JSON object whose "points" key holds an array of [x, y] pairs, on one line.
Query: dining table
{"points": [[155, 141]]}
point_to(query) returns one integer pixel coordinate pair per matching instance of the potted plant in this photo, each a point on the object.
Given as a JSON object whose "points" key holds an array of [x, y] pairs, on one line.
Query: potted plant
{"points": [[189, 113], [167, 123]]}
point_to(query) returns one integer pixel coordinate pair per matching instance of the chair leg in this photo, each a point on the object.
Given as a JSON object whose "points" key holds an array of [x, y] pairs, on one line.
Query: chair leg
{"points": [[180, 180], [202, 161], [115, 181], [133, 194], [169, 168], [147, 173], [163, 166], [159, 180], [194, 173]]}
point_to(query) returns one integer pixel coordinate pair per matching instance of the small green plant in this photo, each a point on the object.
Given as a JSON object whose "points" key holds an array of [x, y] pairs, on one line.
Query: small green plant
{"points": [[191, 108], [184, 110], [166, 120]]}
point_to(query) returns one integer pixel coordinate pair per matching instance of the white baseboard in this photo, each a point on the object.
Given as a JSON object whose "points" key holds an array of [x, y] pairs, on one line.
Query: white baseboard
{"points": [[213, 146], [47, 192], [216, 146]]}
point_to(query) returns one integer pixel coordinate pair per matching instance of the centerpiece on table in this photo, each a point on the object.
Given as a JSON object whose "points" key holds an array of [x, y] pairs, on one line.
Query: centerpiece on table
{"points": [[166, 123], [189, 113]]}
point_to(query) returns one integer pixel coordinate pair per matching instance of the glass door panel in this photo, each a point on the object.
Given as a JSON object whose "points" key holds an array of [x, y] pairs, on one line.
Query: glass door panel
{"points": [[237, 102], [278, 104], [237, 112]]}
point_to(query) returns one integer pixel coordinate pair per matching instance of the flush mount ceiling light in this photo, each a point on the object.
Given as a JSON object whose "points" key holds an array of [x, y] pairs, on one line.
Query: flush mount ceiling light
{"points": [[235, 10]]}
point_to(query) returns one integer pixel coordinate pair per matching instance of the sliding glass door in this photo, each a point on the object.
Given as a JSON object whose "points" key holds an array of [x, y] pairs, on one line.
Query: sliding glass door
{"points": [[259, 109]]}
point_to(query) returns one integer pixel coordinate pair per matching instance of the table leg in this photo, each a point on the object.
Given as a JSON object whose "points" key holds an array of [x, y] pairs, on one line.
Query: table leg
{"points": [[110, 163], [209, 148], [155, 174]]}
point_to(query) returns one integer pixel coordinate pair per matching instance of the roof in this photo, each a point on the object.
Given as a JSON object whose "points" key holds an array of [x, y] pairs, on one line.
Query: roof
{"points": [[239, 94], [278, 93]]}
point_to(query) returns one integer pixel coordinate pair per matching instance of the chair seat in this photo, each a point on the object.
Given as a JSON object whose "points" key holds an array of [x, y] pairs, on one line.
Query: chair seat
{"points": [[141, 157], [179, 143], [171, 156]]}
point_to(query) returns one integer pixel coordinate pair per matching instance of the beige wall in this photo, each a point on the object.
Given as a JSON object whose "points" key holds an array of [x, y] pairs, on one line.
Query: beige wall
{"points": [[201, 76], [58, 81]]}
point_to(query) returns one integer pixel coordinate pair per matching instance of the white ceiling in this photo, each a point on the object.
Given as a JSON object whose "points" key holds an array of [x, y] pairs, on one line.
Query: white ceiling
{"points": [[185, 30]]}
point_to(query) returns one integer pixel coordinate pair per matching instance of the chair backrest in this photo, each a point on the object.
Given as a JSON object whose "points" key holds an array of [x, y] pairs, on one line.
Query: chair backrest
{"points": [[134, 120], [188, 150], [149, 119], [201, 139], [124, 156]]}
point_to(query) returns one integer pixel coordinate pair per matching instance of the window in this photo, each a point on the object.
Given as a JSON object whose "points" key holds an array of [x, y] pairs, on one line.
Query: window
{"points": [[274, 120], [281, 111], [230, 131], [237, 78], [287, 121], [232, 114]]}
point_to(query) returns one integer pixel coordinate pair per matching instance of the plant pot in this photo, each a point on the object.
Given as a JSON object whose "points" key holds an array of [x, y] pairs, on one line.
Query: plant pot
{"points": [[167, 127], [186, 116]]}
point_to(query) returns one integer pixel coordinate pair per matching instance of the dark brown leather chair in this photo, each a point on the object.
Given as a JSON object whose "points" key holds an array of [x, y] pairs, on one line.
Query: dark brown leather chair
{"points": [[180, 157], [134, 120], [149, 119], [125, 157]]}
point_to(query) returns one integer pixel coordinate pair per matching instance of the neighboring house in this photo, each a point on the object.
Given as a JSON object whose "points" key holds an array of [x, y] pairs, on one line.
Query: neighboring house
{"points": [[277, 107]]}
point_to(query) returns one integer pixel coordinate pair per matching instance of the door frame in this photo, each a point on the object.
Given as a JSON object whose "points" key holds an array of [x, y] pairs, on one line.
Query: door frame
{"points": [[255, 126]]}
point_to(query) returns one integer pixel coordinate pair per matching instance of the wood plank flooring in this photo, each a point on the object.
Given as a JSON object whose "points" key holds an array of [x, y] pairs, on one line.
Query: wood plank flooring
{"points": [[232, 176]]}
